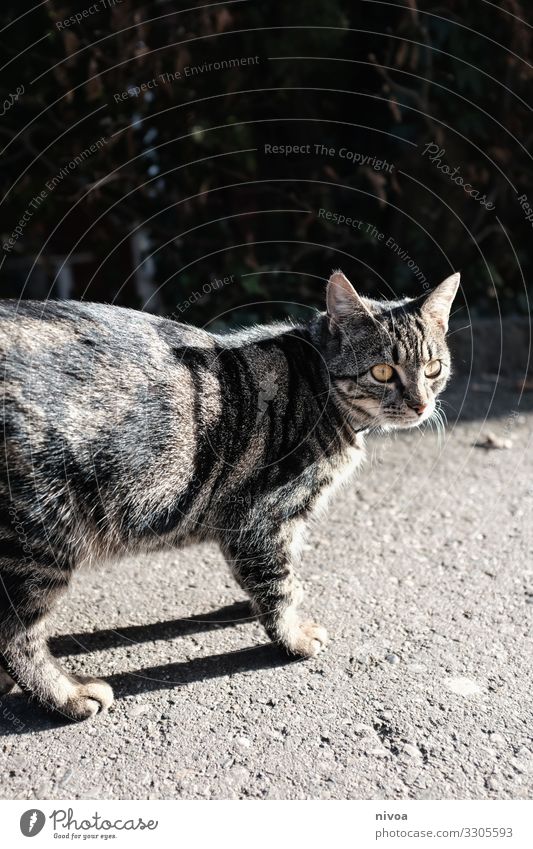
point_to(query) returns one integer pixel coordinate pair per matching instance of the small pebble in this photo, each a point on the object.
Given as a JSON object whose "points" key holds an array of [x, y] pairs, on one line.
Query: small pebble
{"points": [[380, 752], [138, 710], [362, 728], [239, 775], [412, 751], [393, 659], [463, 686], [491, 441], [497, 739]]}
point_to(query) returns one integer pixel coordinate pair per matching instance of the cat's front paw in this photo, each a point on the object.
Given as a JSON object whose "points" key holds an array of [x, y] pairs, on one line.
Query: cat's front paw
{"points": [[305, 639], [90, 696]]}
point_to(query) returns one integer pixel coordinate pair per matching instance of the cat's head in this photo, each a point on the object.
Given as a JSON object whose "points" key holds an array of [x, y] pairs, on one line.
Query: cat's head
{"points": [[387, 360]]}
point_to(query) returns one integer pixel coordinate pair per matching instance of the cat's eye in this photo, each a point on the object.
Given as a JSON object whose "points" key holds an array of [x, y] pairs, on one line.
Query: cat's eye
{"points": [[433, 369], [382, 372]]}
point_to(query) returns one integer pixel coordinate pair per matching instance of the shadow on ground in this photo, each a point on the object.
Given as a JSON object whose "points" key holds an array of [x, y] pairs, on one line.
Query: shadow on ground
{"points": [[31, 718]]}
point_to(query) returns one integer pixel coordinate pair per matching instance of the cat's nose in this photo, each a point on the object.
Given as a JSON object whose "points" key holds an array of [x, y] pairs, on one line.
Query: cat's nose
{"points": [[418, 407]]}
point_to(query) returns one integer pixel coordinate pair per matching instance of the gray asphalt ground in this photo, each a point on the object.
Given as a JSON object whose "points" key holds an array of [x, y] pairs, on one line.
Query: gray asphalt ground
{"points": [[422, 574]]}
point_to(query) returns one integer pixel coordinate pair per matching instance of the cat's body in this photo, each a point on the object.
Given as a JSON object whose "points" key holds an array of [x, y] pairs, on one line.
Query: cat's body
{"points": [[126, 432]]}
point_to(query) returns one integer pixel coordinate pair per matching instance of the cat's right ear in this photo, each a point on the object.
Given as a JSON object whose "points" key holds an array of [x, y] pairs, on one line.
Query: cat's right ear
{"points": [[438, 303], [342, 300]]}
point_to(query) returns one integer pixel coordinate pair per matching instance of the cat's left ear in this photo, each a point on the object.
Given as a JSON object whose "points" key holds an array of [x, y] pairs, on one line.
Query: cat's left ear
{"points": [[438, 303]]}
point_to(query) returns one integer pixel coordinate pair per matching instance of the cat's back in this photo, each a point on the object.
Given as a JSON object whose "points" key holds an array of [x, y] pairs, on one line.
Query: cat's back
{"points": [[69, 345], [82, 369], [32, 330]]}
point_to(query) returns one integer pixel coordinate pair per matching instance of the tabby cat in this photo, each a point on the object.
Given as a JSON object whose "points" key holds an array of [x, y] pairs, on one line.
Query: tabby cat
{"points": [[126, 432]]}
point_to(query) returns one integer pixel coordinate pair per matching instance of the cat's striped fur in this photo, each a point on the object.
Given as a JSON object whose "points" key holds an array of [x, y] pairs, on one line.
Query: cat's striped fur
{"points": [[126, 432]]}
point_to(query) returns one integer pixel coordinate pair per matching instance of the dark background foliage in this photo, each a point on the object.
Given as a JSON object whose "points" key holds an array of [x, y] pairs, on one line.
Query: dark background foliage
{"points": [[182, 191]]}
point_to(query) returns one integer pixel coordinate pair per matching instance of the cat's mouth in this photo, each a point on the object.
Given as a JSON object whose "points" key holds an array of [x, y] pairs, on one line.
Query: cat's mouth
{"points": [[371, 413], [407, 417], [376, 415]]}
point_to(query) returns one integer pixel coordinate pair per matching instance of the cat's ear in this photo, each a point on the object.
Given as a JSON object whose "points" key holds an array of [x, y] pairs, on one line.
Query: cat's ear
{"points": [[437, 305], [342, 300]]}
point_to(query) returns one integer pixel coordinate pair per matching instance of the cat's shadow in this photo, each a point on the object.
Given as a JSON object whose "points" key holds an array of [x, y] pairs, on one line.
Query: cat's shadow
{"points": [[18, 716]]}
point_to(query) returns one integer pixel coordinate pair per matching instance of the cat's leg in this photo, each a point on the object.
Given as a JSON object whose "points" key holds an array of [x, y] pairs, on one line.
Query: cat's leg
{"points": [[32, 666], [25, 601], [263, 566]]}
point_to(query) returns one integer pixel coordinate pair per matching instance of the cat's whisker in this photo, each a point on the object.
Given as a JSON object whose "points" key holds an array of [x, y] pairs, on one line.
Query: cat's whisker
{"points": [[448, 404], [442, 413], [458, 329], [439, 425]]}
